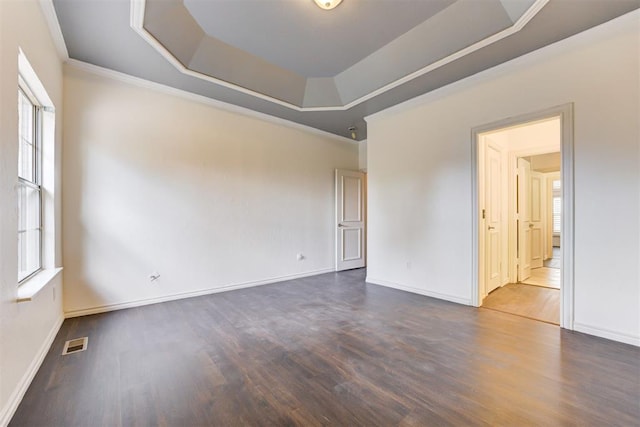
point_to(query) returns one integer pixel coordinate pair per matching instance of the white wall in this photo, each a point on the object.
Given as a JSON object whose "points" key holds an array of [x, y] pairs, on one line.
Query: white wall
{"points": [[419, 167], [208, 198], [362, 156], [27, 328]]}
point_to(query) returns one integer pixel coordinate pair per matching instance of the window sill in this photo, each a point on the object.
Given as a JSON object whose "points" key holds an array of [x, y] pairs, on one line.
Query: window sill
{"points": [[29, 289]]}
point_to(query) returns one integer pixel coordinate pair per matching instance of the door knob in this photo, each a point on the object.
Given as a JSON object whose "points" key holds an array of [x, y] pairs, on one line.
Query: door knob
{"points": [[491, 228], [530, 225], [341, 225]]}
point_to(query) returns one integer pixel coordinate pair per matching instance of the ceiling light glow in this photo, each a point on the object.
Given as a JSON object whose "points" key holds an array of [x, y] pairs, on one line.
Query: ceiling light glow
{"points": [[327, 4]]}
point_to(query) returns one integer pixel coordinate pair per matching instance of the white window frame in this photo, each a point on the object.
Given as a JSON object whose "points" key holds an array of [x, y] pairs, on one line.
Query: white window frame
{"points": [[36, 183]]}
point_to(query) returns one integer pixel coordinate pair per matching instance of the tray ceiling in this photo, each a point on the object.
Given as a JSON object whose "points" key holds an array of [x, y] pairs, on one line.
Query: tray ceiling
{"points": [[325, 69], [338, 61], [325, 44]]}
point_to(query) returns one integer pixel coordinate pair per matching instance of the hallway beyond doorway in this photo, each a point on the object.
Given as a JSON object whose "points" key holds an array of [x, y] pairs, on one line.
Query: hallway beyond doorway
{"points": [[530, 301], [554, 261], [523, 192], [537, 297], [547, 276]]}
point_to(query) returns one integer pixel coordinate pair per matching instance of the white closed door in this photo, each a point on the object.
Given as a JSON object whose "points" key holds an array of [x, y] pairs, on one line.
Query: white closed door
{"points": [[350, 231], [537, 219], [493, 218], [524, 219]]}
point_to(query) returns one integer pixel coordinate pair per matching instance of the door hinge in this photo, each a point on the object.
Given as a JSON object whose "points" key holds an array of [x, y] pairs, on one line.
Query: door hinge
{"points": [[483, 214]]}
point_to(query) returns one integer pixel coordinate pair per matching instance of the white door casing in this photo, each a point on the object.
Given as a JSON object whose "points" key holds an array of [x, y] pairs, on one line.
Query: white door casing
{"points": [[537, 219], [550, 177], [524, 219], [565, 113], [350, 224], [493, 217]]}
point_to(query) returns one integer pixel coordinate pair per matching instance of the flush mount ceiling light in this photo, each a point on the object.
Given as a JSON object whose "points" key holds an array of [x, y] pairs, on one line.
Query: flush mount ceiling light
{"points": [[327, 4]]}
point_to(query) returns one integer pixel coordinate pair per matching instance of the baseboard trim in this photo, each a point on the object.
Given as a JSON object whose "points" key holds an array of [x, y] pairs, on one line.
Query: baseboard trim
{"points": [[16, 397], [607, 333], [172, 297], [438, 295]]}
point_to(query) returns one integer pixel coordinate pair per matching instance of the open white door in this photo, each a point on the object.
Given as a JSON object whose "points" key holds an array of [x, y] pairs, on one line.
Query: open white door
{"points": [[537, 219], [524, 219], [350, 232], [493, 217]]}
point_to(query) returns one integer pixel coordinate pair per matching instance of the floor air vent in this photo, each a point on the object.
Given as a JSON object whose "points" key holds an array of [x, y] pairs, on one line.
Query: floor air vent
{"points": [[74, 346]]}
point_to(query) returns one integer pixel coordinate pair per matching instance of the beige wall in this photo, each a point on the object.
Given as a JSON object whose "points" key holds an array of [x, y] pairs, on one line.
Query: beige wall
{"points": [[210, 199], [419, 170], [26, 328], [362, 162]]}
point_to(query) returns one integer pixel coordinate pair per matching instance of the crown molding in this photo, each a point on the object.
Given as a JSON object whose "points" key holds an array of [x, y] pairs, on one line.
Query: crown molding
{"points": [[168, 90], [51, 17], [583, 38], [517, 26], [137, 24]]}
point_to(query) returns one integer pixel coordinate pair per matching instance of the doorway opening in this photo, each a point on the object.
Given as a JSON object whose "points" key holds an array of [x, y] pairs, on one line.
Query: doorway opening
{"points": [[523, 216]]}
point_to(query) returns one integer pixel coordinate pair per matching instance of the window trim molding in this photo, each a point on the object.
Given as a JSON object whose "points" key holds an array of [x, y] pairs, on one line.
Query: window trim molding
{"points": [[50, 261], [30, 287]]}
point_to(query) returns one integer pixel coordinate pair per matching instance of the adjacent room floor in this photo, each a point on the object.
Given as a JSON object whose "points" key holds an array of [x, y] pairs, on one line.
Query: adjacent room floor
{"points": [[329, 350], [537, 297], [531, 301], [545, 277]]}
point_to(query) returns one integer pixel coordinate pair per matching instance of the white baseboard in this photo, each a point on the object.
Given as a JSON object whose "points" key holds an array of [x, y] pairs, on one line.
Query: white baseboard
{"points": [[231, 287], [606, 333], [446, 297], [25, 381]]}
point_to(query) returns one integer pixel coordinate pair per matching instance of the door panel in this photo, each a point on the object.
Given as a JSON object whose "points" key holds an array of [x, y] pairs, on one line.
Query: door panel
{"points": [[351, 209], [350, 232], [524, 219], [537, 216], [493, 217], [351, 248]]}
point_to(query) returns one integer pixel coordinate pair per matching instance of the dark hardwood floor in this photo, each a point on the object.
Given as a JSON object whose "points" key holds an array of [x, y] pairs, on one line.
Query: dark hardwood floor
{"points": [[329, 350]]}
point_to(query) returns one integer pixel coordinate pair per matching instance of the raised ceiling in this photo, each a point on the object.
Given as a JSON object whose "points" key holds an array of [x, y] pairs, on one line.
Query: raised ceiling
{"points": [[324, 69], [324, 44], [304, 73]]}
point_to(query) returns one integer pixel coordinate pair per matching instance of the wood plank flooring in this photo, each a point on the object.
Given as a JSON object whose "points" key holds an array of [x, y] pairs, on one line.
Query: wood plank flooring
{"points": [[544, 276], [534, 302], [554, 261], [329, 350]]}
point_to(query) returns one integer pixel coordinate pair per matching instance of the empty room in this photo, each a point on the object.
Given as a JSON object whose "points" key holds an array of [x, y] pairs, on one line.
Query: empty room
{"points": [[319, 212]]}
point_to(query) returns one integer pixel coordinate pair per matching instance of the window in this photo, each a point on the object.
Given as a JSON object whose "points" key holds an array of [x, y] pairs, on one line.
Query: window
{"points": [[557, 206], [29, 184]]}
